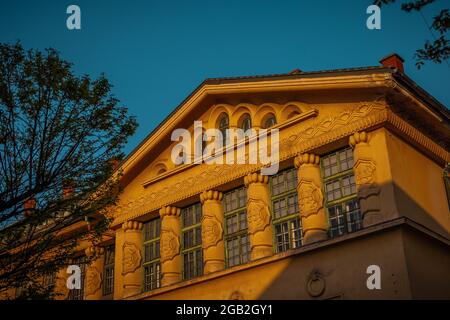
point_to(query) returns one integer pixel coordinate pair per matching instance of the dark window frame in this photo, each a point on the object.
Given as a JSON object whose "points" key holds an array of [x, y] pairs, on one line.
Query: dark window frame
{"points": [[289, 191], [151, 253], [347, 204], [191, 250], [238, 234], [108, 270]]}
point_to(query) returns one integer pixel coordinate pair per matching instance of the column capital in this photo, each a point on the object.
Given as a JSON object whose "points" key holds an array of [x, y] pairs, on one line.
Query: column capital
{"points": [[132, 225], [255, 178], [93, 251], [210, 195], [169, 211], [358, 137], [306, 158]]}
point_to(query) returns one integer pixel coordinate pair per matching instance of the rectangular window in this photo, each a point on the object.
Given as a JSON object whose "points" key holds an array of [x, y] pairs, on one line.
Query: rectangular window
{"points": [[340, 192], [152, 276], [285, 210], [237, 242], [78, 294], [191, 241], [108, 273], [152, 269]]}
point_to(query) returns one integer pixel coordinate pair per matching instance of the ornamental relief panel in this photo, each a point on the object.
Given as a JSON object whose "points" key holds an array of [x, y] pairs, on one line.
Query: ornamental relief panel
{"points": [[132, 258], [212, 231], [365, 172], [258, 215], [310, 198], [204, 177], [170, 245], [93, 280]]}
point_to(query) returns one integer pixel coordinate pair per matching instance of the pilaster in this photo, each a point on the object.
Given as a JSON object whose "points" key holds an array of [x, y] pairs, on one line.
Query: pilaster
{"points": [[258, 215], [310, 198]]}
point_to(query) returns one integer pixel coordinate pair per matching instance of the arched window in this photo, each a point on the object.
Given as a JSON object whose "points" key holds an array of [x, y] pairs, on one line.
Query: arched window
{"points": [[224, 124], [269, 122], [246, 123], [293, 114]]}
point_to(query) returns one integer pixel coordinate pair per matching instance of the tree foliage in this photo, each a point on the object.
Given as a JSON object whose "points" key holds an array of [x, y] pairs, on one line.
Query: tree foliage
{"points": [[437, 50], [58, 131]]}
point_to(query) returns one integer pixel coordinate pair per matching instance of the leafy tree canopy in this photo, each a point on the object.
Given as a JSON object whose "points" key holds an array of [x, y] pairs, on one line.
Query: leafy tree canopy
{"points": [[60, 135]]}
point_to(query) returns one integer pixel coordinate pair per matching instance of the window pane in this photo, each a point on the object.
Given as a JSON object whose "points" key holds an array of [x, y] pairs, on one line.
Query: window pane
{"points": [[152, 276], [152, 229]]}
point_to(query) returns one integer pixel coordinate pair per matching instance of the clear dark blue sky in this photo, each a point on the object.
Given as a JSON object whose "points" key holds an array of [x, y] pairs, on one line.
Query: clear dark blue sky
{"points": [[156, 52]]}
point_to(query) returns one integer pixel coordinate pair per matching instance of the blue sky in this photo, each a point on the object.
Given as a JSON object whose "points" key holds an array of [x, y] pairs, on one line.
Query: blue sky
{"points": [[156, 52]]}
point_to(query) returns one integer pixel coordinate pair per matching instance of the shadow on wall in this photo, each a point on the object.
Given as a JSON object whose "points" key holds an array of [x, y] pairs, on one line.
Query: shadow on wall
{"points": [[414, 264]]}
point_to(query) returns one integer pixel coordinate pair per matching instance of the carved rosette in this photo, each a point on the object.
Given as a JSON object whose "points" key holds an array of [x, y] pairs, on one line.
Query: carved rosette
{"points": [[212, 231], [310, 197], [132, 258], [365, 170], [93, 281], [170, 245], [258, 215]]}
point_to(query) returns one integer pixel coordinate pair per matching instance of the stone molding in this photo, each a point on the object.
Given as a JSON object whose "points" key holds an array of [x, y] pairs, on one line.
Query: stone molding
{"points": [[169, 211], [255, 178], [132, 226], [211, 195]]}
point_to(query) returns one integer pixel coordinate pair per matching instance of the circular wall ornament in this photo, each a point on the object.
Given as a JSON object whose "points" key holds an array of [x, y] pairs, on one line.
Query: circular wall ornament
{"points": [[315, 285]]}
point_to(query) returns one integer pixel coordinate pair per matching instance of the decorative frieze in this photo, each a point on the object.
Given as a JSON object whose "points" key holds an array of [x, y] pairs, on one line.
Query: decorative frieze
{"points": [[212, 231], [258, 215], [310, 198]]}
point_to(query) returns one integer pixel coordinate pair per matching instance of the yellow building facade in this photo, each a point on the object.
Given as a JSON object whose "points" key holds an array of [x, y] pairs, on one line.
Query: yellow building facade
{"points": [[360, 182]]}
